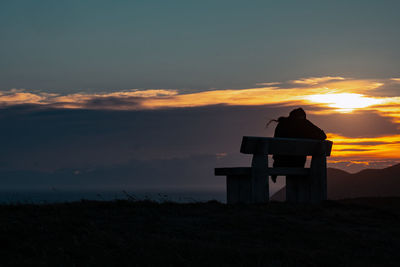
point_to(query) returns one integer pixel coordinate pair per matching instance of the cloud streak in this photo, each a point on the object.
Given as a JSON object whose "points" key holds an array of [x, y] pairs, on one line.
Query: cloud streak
{"points": [[330, 94], [317, 80]]}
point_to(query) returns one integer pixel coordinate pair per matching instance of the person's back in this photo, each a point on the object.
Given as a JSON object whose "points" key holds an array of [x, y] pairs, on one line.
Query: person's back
{"points": [[298, 128], [295, 126]]}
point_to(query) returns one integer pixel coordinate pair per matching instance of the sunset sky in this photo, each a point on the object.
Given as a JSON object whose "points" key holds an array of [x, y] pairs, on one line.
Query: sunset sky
{"points": [[86, 85]]}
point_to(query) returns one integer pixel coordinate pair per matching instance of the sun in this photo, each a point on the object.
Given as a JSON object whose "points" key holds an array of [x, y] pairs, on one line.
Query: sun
{"points": [[344, 102]]}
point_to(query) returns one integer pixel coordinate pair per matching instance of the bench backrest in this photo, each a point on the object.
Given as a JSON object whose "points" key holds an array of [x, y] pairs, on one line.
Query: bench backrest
{"points": [[285, 146]]}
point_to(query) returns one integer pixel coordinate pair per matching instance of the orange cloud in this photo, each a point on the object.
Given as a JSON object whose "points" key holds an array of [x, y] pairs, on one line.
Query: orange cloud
{"points": [[317, 80], [331, 94], [365, 148], [269, 84], [16, 97]]}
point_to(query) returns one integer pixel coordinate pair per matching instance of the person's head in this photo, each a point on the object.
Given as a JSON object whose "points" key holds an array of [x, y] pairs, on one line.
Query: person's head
{"points": [[297, 113]]}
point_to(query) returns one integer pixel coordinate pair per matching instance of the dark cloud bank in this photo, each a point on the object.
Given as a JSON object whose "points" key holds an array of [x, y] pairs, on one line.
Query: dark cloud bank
{"points": [[45, 148]]}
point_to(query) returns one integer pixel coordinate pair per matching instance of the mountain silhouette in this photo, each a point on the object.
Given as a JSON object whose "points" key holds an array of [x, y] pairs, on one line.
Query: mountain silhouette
{"points": [[366, 183]]}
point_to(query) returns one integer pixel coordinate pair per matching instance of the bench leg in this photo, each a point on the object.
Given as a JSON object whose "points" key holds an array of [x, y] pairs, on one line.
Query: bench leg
{"points": [[291, 189], [259, 179], [298, 189], [238, 189], [318, 178]]}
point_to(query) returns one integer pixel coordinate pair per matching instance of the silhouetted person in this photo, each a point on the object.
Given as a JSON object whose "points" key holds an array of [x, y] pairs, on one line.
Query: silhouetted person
{"points": [[295, 126]]}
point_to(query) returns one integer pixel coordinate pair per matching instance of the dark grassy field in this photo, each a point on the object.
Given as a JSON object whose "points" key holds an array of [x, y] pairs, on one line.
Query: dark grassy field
{"points": [[359, 232]]}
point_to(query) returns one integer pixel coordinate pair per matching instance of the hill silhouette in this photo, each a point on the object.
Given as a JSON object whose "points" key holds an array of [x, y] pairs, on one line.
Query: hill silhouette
{"points": [[366, 183]]}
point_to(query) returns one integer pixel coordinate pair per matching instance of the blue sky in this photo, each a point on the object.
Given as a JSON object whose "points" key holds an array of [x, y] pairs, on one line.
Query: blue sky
{"points": [[69, 46]]}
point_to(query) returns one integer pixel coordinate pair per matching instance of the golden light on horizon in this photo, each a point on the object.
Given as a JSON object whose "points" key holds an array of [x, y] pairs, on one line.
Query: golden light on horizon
{"points": [[344, 102], [383, 147]]}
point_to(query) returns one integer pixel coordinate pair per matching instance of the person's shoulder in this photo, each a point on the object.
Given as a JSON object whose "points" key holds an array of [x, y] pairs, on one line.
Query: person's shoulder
{"points": [[315, 131], [309, 122]]}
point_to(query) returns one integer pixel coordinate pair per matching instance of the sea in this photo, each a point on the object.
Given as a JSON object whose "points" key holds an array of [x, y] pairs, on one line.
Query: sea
{"points": [[60, 196]]}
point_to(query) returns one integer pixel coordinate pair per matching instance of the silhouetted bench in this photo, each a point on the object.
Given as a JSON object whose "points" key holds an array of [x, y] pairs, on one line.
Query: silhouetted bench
{"points": [[251, 184]]}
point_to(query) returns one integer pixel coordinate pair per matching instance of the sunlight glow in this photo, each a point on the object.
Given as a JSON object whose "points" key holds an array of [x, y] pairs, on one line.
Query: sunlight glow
{"points": [[345, 102]]}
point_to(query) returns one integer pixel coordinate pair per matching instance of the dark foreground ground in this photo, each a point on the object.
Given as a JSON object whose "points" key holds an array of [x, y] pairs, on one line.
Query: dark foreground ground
{"points": [[359, 232]]}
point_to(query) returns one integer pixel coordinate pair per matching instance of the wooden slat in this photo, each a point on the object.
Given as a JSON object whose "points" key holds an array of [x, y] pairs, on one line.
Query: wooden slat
{"points": [[284, 146], [289, 171], [232, 171], [298, 189], [243, 171]]}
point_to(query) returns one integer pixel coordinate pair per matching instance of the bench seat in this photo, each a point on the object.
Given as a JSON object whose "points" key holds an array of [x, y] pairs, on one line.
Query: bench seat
{"points": [[251, 184]]}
